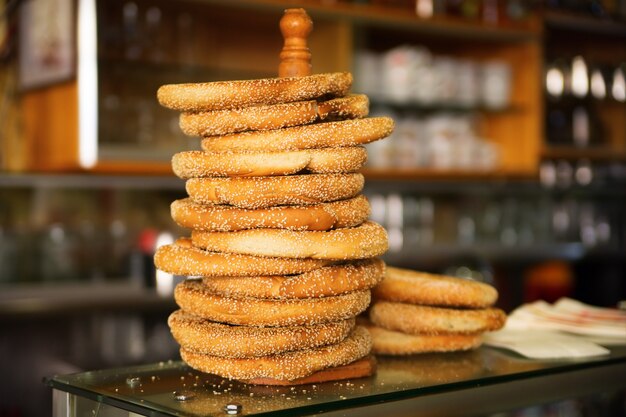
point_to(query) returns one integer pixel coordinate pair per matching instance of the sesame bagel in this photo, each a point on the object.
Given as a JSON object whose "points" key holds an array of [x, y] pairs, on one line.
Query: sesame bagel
{"points": [[364, 241], [217, 339], [322, 282], [262, 192], [412, 287], [181, 258], [286, 366], [223, 218], [195, 298], [389, 342], [221, 95], [193, 164], [318, 135], [415, 319], [275, 116]]}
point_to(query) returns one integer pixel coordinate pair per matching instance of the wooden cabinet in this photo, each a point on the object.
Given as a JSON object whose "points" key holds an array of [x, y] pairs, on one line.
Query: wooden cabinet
{"points": [[146, 43], [514, 129], [143, 44]]}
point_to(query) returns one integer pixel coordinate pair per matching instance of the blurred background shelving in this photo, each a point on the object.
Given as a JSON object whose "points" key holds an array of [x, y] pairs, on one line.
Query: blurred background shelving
{"points": [[504, 165], [471, 85]]}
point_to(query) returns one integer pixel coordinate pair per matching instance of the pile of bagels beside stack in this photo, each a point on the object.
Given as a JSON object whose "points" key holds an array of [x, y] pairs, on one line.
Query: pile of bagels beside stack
{"points": [[418, 312], [281, 256]]}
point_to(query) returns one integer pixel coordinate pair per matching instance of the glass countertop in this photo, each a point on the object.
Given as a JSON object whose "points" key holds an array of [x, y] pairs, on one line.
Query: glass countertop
{"points": [[174, 389]]}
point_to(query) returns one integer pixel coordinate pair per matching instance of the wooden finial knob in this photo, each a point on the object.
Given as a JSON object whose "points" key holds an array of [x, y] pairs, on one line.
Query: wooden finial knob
{"points": [[295, 58]]}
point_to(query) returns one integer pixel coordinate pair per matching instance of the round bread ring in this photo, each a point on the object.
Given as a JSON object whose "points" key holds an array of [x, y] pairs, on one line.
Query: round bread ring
{"points": [[181, 258], [318, 135], [220, 95], [322, 282], [413, 287], [286, 366], [415, 319], [193, 297], [389, 342], [194, 164], [367, 240], [276, 116], [263, 192], [223, 218], [217, 339]]}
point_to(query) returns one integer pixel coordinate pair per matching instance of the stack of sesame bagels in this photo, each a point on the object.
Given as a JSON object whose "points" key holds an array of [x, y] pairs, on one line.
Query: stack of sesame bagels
{"points": [[281, 255], [417, 312]]}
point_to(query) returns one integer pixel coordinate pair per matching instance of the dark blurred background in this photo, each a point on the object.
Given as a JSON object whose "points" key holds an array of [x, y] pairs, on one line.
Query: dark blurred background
{"points": [[508, 163]]}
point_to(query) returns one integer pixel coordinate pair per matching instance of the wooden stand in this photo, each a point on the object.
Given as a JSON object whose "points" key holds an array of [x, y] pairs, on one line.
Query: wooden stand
{"points": [[295, 58]]}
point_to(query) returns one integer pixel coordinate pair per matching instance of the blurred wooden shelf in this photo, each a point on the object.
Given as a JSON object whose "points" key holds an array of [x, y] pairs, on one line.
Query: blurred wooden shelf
{"points": [[600, 153], [580, 23], [44, 299], [244, 43], [417, 107], [92, 180], [399, 19], [492, 252], [428, 174]]}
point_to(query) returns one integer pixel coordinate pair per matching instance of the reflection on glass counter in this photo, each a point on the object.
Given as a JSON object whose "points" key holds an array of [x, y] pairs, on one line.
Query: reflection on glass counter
{"points": [[173, 389]]}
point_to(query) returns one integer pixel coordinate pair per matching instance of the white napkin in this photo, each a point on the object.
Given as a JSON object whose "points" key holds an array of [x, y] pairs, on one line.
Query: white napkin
{"points": [[570, 316], [544, 344], [566, 329]]}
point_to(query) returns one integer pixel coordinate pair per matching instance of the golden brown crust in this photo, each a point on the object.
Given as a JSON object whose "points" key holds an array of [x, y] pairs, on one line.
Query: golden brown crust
{"points": [[194, 164], [413, 287], [262, 192], [389, 342], [275, 116], [195, 298], [224, 218], [415, 319], [318, 135], [357, 369], [364, 241], [286, 366], [243, 93], [217, 339], [322, 282], [181, 258]]}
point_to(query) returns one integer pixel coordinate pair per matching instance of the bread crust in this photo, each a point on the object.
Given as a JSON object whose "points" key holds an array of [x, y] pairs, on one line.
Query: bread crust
{"points": [[218, 339], [275, 116], [322, 282], [263, 192], [415, 319], [287, 366], [182, 258], [389, 342], [364, 241], [194, 164], [413, 287], [221, 95], [195, 298], [317, 135], [225, 218]]}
